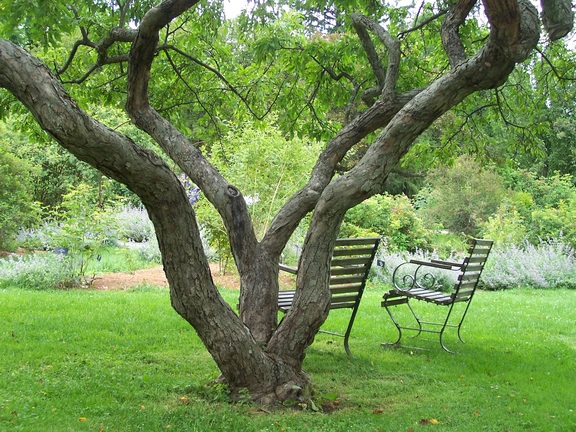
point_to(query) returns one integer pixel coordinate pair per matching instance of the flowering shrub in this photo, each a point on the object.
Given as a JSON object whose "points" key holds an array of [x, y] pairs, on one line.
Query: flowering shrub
{"points": [[192, 191], [134, 224], [44, 237], [550, 264], [41, 271]]}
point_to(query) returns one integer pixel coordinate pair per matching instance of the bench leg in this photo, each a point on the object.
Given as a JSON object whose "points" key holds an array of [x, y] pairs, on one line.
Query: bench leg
{"points": [[450, 325], [349, 329], [442, 341], [395, 300], [419, 330]]}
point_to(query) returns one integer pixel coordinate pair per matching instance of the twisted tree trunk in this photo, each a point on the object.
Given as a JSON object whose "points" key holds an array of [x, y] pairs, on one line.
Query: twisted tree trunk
{"points": [[250, 348]]}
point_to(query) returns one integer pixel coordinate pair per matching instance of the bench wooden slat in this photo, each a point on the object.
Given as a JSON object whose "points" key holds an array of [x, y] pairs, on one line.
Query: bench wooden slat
{"points": [[342, 280], [338, 271], [357, 241], [347, 262], [350, 252]]}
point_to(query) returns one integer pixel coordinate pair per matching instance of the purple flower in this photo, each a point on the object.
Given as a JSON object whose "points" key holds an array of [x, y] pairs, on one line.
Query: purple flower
{"points": [[192, 191]]}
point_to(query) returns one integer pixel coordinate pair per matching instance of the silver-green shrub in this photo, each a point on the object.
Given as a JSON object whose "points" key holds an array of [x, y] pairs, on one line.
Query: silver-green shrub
{"points": [[150, 251], [549, 264], [39, 271]]}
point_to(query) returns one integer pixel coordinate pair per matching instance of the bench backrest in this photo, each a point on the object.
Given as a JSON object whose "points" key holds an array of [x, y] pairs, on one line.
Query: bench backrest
{"points": [[471, 270], [349, 269]]}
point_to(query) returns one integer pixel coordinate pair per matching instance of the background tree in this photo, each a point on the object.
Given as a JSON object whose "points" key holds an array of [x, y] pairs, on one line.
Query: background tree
{"points": [[145, 55], [461, 197]]}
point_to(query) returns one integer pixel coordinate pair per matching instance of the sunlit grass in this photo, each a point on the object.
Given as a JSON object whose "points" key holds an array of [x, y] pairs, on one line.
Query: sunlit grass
{"points": [[125, 361]]}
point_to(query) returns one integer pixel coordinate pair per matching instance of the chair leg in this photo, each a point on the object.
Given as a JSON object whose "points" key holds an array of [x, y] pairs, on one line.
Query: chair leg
{"points": [[346, 346], [349, 330], [462, 320], [442, 342], [457, 326], [397, 341], [419, 330]]}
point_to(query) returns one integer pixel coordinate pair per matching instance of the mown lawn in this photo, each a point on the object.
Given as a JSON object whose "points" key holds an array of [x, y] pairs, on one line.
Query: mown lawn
{"points": [[124, 361]]}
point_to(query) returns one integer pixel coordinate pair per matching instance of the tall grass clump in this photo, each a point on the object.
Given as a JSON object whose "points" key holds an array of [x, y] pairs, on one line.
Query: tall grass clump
{"points": [[548, 264], [40, 271]]}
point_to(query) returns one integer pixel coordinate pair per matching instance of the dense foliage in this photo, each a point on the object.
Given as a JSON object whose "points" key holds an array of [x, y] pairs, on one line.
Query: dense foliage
{"points": [[17, 208]]}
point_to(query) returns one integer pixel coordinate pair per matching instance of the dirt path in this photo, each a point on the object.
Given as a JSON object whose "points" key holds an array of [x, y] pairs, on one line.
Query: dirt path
{"points": [[155, 276]]}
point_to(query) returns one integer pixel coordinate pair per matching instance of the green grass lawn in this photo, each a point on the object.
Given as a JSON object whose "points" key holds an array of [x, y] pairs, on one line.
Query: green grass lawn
{"points": [[124, 361]]}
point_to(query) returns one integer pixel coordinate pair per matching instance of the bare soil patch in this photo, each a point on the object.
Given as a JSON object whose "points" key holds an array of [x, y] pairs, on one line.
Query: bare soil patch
{"points": [[155, 276]]}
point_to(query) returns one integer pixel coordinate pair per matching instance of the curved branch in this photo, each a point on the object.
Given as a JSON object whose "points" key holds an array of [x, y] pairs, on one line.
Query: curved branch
{"points": [[193, 91], [226, 198], [117, 34], [72, 54], [386, 80], [222, 78], [553, 68], [423, 23]]}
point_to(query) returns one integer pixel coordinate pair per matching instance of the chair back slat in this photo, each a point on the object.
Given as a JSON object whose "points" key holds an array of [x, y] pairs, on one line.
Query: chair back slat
{"points": [[472, 270], [349, 268]]}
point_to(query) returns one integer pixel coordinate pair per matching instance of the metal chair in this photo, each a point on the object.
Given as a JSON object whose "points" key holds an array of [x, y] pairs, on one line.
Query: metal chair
{"points": [[420, 284]]}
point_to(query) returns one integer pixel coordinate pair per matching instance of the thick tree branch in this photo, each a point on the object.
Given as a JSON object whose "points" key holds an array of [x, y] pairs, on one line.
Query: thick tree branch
{"points": [[450, 37], [226, 198], [193, 294], [557, 17], [304, 201], [255, 265]]}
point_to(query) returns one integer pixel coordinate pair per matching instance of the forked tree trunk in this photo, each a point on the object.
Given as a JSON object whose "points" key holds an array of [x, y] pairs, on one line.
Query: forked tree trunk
{"points": [[242, 360]]}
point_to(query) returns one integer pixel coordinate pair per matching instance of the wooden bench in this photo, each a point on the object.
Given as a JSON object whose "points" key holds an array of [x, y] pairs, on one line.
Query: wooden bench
{"points": [[349, 268], [420, 284]]}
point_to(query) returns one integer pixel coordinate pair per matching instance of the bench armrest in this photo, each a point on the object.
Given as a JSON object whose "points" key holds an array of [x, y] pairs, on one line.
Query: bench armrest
{"points": [[288, 269], [449, 263], [440, 265]]}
